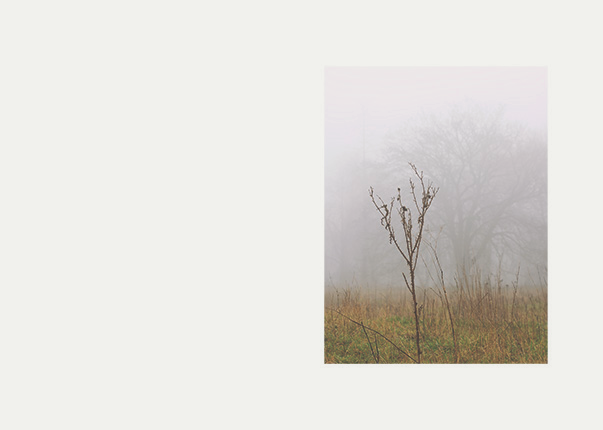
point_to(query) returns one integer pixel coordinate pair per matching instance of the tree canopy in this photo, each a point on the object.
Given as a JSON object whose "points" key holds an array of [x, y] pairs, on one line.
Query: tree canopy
{"points": [[491, 211]]}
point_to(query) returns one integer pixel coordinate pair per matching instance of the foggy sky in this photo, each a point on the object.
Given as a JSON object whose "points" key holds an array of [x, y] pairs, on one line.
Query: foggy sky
{"points": [[370, 101], [366, 106]]}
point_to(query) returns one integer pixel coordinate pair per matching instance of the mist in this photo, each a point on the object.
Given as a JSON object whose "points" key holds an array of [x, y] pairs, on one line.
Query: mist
{"points": [[479, 134]]}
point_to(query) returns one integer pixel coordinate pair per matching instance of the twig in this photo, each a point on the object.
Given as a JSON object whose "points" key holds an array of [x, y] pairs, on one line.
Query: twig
{"points": [[369, 341], [515, 285], [437, 260], [374, 331]]}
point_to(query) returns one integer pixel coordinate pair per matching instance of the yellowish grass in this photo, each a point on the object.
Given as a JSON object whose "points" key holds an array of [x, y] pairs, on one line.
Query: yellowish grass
{"points": [[492, 325]]}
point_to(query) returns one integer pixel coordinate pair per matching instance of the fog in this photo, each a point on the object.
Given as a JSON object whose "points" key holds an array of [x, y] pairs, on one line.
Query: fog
{"points": [[477, 133]]}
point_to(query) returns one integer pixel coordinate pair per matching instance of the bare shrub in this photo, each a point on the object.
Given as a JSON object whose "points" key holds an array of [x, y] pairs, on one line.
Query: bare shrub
{"points": [[412, 241]]}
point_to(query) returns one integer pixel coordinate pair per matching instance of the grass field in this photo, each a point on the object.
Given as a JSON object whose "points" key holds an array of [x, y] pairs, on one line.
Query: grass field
{"points": [[491, 325]]}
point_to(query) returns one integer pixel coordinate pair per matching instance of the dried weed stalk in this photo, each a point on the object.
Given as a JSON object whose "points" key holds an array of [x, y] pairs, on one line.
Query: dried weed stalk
{"points": [[412, 241]]}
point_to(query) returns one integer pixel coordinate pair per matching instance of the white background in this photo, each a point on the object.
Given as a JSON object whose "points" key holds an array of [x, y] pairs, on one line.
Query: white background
{"points": [[161, 214]]}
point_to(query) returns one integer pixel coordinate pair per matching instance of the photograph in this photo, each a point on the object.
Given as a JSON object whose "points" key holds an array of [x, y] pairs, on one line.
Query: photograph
{"points": [[435, 215]]}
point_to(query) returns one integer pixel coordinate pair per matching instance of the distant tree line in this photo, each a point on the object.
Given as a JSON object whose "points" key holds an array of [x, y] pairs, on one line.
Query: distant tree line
{"points": [[490, 216]]}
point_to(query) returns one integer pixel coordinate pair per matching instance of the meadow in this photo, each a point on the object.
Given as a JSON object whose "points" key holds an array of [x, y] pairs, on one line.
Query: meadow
{"points": [[475, 323]]}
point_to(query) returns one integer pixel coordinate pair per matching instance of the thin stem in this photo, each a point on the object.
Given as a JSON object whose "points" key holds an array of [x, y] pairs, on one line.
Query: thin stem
{"points": [[413, 241], [369, 342], [374, 331]]}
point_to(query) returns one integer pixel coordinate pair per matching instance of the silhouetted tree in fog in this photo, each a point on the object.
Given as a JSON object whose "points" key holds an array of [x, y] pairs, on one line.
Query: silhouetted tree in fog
{"points": [[492, 178]]}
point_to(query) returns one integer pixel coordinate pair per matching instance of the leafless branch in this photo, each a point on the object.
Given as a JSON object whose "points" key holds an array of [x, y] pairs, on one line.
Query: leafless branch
{"points": [[374, 331], [412, 241]]}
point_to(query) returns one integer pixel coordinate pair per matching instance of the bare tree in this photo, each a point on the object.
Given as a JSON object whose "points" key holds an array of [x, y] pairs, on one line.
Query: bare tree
{"points": [[412, 241], [493, 176]]}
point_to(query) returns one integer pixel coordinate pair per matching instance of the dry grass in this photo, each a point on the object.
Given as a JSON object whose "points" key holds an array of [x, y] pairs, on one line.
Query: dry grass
{"points": [[492, 325]]}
